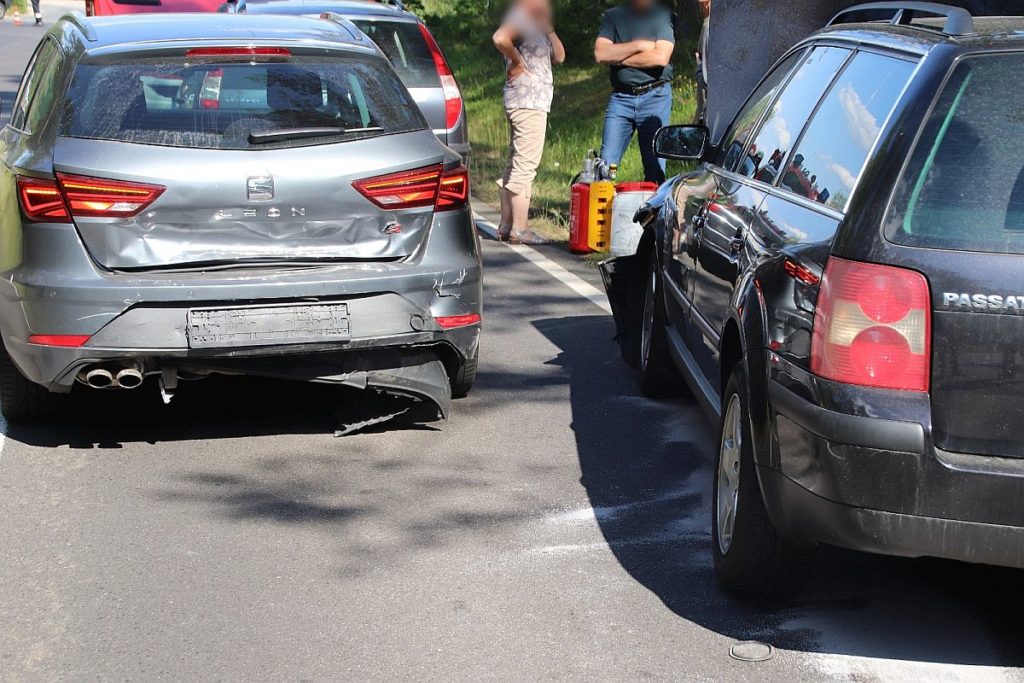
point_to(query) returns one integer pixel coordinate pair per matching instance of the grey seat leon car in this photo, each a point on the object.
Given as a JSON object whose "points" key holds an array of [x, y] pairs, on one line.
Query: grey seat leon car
{"points": [[183, 195]]}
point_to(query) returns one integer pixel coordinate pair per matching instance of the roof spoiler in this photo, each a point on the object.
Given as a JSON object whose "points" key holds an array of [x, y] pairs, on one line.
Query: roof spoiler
{"points": [[346, 24], [78, 19], [959, 21]]}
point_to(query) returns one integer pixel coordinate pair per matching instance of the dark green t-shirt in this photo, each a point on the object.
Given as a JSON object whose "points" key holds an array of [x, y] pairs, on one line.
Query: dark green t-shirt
{"points": [[623, 24]]}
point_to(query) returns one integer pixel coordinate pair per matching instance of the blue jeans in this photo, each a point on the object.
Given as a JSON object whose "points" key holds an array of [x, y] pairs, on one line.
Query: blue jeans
{"points": [[643, 113]]}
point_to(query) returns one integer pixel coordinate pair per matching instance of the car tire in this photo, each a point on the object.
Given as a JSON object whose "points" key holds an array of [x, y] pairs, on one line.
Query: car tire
{"points": [[464, 378], [22, 400], [752, 559], [659, 377]]}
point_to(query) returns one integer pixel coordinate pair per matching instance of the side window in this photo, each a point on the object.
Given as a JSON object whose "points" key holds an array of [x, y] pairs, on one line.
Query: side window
{"points": [[789, 113], [736, 138], [40, 61], [834, 148], [47, 83]]}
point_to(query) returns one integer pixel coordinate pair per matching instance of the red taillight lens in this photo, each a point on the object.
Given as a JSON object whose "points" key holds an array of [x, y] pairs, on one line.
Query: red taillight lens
{"points": [[403, 190], [41, 200], [66, 340], [227, 51], [106, 198], [451, 321], [872, 326], [422, 187], [452, 96], [454, 190], [209, 93]]}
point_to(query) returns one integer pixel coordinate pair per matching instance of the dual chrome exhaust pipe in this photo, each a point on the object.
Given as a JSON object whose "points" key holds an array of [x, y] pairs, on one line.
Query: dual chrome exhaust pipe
{"points": [[99, 377]]}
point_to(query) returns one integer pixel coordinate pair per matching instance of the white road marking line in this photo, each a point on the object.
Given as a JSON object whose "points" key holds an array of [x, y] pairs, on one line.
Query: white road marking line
{"points": [[555, 270]]}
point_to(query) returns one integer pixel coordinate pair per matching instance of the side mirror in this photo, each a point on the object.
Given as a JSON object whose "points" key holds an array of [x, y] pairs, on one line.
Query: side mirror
{"points": [[681, 142]]}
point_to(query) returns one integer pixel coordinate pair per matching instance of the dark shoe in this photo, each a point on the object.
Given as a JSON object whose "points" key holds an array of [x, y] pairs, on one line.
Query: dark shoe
{"points": [[504, 232]]}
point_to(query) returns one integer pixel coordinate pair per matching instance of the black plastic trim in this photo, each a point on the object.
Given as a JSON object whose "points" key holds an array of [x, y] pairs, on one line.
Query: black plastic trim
{"points": [[869, 432]]}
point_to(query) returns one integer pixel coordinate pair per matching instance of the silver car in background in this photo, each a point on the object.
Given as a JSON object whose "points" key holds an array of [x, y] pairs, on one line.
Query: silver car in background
{"points": [[183, 195], [412, 49]]}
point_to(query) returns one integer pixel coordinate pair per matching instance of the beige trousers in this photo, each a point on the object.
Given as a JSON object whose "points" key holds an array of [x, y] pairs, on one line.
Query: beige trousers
{"points": [[527, 128]]}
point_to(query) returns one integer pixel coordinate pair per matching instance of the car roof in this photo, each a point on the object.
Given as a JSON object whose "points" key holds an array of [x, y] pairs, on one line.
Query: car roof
{"points": [[924, 34], [348, 8], [136, 30]]}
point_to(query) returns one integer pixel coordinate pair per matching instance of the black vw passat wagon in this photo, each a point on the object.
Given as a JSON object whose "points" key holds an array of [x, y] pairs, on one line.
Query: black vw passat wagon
{"points": [[841, 285]]}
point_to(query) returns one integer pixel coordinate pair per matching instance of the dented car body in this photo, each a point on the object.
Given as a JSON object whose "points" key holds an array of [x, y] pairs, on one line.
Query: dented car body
{"points": [[181, 199]]}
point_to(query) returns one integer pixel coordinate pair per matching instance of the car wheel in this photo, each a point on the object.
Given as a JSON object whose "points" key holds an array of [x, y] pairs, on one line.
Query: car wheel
{"points": [[465, 376], [659, 377], [752, 560], [22, 400], [3, 10]]}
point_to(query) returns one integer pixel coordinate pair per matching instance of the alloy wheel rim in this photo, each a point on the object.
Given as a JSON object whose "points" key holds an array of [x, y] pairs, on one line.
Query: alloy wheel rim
{"points": [[648, 322], [729, 473]]}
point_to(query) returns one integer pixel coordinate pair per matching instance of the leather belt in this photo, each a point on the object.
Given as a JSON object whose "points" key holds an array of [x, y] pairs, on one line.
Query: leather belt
{"points": [[641, 89]]}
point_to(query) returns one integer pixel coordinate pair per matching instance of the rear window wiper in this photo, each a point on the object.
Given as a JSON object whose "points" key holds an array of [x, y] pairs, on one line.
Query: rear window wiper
{"points": [[282, 134]]}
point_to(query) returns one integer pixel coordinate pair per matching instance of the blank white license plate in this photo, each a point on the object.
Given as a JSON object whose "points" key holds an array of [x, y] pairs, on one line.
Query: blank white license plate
{"points": [[267, 325]]}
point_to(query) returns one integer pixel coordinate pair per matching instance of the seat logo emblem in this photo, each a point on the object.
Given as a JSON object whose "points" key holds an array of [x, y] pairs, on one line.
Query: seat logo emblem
{"points": [[260, 188]]}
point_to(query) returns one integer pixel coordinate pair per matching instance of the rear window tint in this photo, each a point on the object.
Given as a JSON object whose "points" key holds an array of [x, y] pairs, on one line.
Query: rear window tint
{"points": [[218, 104], [404, 45], [963, 188]]}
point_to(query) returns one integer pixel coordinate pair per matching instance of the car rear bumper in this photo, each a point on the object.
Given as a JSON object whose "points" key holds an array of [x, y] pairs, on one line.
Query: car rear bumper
{"points": [[799, 513], [856, 468], [394, 306]]}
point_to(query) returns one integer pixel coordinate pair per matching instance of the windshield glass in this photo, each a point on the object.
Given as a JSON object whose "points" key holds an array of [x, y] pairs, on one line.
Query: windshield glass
{"points": [[964, 185], [224, 104]]}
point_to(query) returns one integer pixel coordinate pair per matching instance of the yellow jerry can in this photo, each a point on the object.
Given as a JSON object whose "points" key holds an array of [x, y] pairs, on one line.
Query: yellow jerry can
{"points": [[602, 193]]}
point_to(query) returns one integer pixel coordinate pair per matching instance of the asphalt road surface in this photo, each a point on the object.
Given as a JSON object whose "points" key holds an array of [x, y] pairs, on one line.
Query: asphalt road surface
{"points": [[556, 527]]}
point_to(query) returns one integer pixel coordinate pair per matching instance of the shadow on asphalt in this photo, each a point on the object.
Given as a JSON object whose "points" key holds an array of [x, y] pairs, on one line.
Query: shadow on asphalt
{"points": [[218, 407], [646, 467]]}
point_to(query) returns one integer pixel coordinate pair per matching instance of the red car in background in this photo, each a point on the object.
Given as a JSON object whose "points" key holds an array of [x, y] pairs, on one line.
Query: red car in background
{"points": [[107, 7]]}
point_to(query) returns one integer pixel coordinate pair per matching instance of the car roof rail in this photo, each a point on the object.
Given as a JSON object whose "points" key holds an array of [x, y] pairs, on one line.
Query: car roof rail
{"points": [[959, 21], [345, 23], [80, 20]]}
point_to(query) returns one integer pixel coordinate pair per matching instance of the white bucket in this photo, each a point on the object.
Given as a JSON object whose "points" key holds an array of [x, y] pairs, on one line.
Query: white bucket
{"points": [[625, 233]]}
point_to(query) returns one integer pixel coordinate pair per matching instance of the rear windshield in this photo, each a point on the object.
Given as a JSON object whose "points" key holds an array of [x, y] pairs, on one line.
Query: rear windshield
{"points": [[230, 104], [964, 184], [404, 45]]}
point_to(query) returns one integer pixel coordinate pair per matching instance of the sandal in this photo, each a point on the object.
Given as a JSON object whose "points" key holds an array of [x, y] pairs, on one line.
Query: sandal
{"points": [[526, 237], [504, 233]]}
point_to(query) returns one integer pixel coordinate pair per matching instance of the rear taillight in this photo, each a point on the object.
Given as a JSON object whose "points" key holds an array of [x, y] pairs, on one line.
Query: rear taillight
{"points": [[452, 96], [41, 200], [454, 190], [429, 186], [872, 326], [98, 197], [403, 190], [209, 93]]}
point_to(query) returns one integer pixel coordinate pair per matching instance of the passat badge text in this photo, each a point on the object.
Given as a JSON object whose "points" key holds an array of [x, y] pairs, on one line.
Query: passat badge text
{"points": [[984, 302]]}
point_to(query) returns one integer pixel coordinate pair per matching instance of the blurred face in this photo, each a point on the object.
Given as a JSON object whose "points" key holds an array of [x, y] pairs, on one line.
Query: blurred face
{"points": [[642, 4], [539, 10]]}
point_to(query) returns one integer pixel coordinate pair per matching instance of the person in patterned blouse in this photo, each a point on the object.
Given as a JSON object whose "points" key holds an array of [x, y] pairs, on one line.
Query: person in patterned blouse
{"points": [[530, 46]]}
